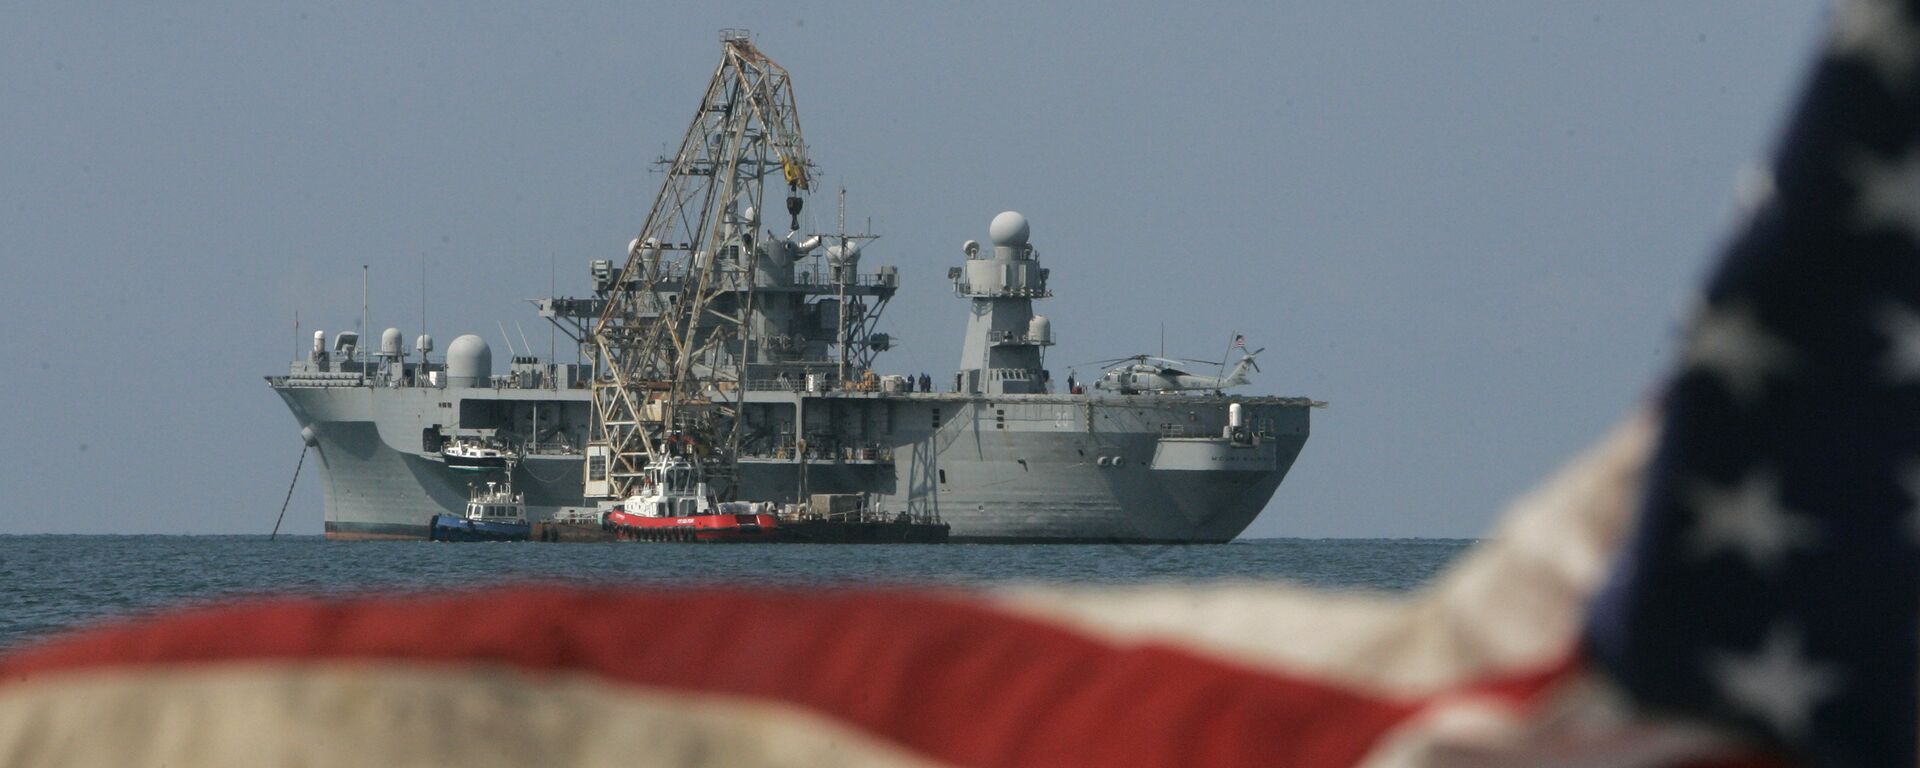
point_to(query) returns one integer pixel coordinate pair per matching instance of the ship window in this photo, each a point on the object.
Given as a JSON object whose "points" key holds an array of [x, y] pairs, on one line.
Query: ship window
{"points": [[943, 477], [479, 414], [596, 467]]}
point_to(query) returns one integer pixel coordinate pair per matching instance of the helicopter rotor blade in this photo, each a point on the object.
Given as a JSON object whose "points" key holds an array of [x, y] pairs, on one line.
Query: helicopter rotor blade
{"points": [[1104, 363], [1251, 362]]}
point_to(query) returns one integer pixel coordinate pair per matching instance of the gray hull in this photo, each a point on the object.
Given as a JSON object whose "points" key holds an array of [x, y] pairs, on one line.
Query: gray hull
{"points": [[1049, 468]]}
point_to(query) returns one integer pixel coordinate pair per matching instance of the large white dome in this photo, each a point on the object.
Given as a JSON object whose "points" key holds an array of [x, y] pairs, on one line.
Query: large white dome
{"points": [[1008, 229], [469, 362]]}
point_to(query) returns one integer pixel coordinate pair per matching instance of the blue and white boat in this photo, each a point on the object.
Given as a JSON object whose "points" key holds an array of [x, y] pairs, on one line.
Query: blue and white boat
{"points": [[494, 513], [473, 455]]}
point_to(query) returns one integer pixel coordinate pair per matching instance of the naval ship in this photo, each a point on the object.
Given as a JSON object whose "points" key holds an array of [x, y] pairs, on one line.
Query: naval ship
{"points": [[997, 451]]}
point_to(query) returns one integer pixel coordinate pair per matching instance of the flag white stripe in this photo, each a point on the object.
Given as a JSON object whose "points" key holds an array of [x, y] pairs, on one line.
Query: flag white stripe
{"points": [[1515, 602], [1585, 722], [388, 714]]}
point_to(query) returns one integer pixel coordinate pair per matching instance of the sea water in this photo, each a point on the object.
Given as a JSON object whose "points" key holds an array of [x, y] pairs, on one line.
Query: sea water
{"points": [[51, 584]]}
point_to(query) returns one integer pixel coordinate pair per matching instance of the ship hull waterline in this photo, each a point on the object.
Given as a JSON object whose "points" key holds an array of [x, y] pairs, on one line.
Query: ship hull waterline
{"points": [[1059, 469]]}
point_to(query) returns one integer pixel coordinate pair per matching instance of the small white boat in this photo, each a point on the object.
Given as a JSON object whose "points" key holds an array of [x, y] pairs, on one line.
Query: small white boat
{"points": [[471, 455]]}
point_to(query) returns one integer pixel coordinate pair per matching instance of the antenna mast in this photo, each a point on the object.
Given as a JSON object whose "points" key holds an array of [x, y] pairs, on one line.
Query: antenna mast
{"points": [[360, 345]]}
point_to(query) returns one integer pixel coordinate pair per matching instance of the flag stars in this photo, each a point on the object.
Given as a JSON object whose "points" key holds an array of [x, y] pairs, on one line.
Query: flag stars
{"points": [[1901, 363], [1777, 682], [1747, 519], [1876, 33], [1889, 193], [1729, 344]]}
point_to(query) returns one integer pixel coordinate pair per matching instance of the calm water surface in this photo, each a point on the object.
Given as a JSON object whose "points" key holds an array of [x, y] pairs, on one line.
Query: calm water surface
{"points": [[53, 583]]}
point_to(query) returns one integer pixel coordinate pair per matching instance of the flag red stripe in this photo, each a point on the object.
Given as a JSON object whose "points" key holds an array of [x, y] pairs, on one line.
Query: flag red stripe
{"points": [[950, 678]]}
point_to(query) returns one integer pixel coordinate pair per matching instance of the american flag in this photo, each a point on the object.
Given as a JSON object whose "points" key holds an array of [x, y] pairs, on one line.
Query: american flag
{"points": [[1728, 578], [1772, 581]]}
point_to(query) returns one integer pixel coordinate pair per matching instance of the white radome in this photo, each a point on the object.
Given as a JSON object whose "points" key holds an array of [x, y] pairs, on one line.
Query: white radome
{"points": [[1008, 229]]}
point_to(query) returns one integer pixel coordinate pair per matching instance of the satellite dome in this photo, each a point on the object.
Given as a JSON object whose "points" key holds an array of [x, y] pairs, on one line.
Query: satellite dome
{"points": [[1008, 229], [469, 362], [390, 343]]}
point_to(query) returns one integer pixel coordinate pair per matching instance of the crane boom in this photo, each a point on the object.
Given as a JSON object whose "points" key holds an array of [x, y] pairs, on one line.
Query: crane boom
{"points": [[671, 347]]}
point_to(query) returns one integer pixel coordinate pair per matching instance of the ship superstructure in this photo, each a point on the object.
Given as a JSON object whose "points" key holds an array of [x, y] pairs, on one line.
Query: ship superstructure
{"points": [[1005, 339], [758, 352]]}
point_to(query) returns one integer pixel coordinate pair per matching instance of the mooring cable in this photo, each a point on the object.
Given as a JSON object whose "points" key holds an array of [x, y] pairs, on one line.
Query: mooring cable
{"points": [[283, 505]]}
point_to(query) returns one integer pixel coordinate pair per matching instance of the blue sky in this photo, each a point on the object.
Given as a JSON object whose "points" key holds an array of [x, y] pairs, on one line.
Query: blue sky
{"points": [[1473, 228]]}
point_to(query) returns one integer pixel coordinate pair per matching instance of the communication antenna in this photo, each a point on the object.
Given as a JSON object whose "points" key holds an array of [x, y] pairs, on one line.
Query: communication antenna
{"points": [[1227, 354], [553, 331], [503, 334], [423, 311], [841, 300], [360, 344]]}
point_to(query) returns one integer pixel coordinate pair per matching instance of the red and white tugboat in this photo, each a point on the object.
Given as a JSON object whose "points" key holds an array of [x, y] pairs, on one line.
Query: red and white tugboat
{"points": [[673, 505]]}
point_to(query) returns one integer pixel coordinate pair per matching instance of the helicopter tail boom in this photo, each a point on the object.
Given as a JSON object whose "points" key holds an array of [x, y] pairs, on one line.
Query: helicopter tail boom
{"points": [[1239, 374]]}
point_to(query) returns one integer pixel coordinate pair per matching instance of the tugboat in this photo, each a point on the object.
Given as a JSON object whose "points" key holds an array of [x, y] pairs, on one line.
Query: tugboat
{"points": [[471, 455], [674, 505], [494, 513]]}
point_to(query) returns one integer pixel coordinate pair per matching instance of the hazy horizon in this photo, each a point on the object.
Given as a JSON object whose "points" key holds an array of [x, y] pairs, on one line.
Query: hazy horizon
{"points": [[1473, 231]]}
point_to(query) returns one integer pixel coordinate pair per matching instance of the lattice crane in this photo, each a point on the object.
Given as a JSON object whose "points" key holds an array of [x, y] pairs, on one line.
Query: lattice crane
{"points": [[671, 347]]}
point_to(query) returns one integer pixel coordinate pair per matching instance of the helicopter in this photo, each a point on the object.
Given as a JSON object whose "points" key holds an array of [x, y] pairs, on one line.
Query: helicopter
{"points": [[1146, 373]]}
